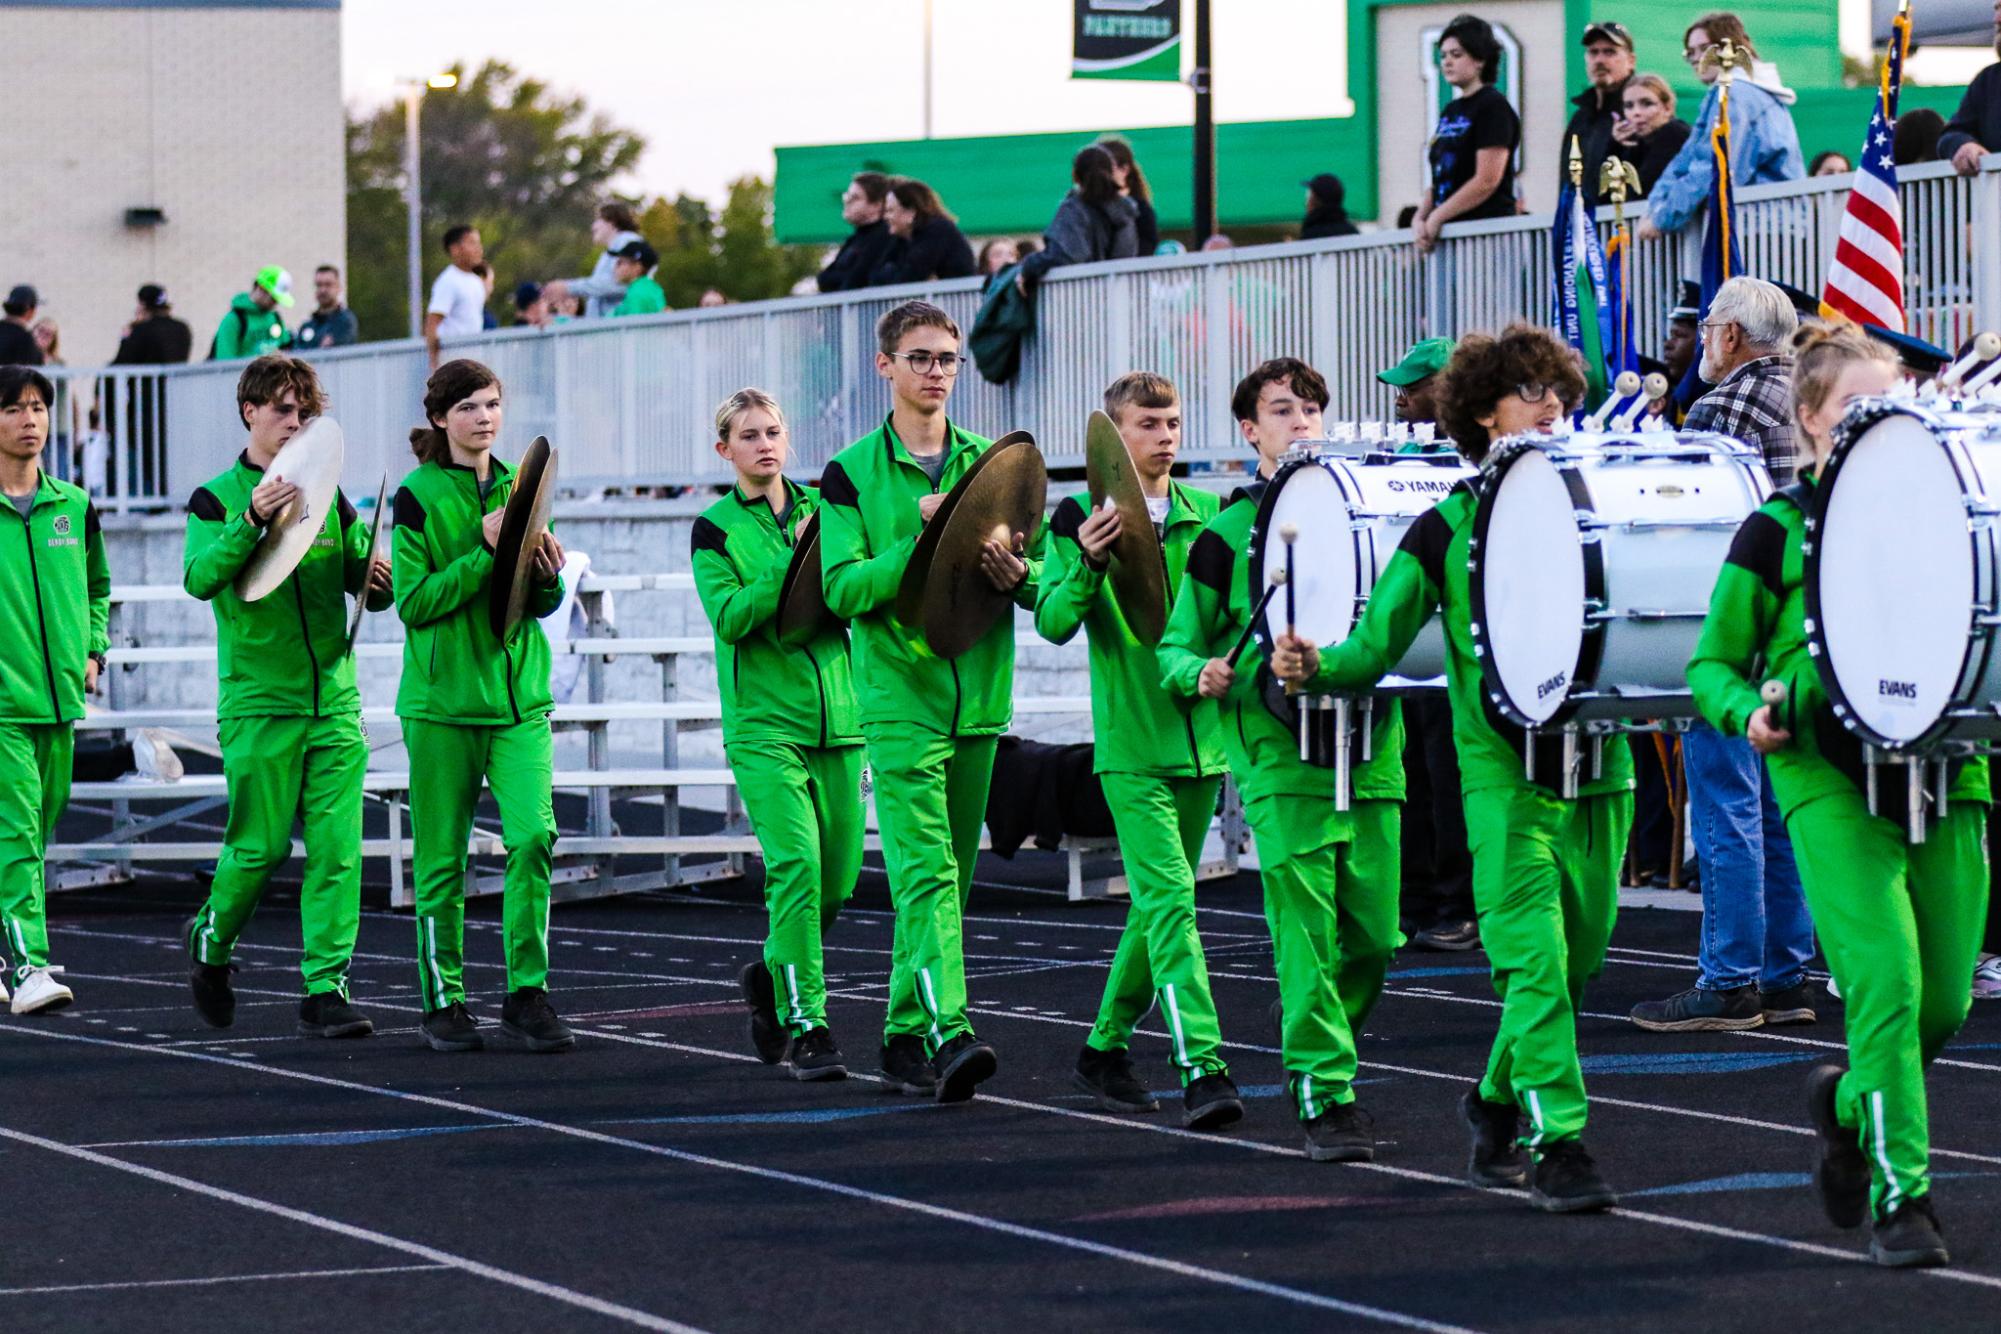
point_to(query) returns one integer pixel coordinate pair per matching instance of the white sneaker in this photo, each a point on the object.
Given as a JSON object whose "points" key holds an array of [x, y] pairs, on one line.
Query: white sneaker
{"points": [[39, 990], [1987, 978], [154, 757], [3, 993]]}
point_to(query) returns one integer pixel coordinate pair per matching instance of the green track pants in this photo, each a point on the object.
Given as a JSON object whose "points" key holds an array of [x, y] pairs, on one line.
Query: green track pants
{"points": [[1161, 823], [1330, 889], [279, 770], [1900, 924], [1546, 887], [447, 762], [34, 788], [930, 799], [805, 805]]}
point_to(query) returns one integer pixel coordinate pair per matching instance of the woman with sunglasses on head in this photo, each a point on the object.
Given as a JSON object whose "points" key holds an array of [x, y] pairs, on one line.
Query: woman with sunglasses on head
{"points": [[1545, 867]]}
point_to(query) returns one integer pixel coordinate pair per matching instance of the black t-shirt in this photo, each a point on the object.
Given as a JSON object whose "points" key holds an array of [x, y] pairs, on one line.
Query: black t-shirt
{"points": [[1465, 126], [18, 346]]}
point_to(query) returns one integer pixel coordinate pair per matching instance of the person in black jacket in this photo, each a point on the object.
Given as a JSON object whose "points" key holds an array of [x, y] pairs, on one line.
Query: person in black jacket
{"points": [[1648, 134], [1093, 222], [869, 243], [155, 337], [1975, 129], [1608, 63], [1132, 183], [927, 241], [1326, 208]]}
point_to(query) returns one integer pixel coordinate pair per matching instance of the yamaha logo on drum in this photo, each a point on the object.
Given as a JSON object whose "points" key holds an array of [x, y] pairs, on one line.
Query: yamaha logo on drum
{"points": [[1899, 692], [1551, 686], [1429, 486]]}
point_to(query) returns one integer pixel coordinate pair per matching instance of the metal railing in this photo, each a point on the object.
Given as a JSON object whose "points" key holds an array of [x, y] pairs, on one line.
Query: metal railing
{"points": [[630, 401]]}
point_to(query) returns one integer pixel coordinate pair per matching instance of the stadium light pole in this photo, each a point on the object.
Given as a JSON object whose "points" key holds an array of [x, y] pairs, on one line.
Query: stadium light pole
{"points": [[413, 192], [1205, 131]]}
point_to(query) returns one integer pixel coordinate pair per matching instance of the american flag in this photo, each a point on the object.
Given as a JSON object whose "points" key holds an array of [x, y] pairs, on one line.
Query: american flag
{"points": [[1866, 283]]}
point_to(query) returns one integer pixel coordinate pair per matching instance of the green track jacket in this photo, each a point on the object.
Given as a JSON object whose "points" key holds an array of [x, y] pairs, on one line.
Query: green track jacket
{"points": [[803, 694], [55, 603], [1211, 609], [284, 655], [454, 668], [1756, 632], [868, 528], [1429, 572], [1138, 728]]}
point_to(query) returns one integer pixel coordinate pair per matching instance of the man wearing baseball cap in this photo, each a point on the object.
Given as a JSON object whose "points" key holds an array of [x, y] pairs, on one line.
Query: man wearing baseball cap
{"points": [[1608, 63], [155, 337], [253, 327], [1415, 379], [1326, 208], [633, 266]]}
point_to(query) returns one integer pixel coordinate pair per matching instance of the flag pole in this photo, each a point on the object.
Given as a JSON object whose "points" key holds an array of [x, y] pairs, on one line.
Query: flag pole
{"points": [[1616, 178]]}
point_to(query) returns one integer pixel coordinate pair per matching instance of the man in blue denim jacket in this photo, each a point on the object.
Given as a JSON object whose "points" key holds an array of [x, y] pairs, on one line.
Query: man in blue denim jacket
{"points": [[1764, 146]]}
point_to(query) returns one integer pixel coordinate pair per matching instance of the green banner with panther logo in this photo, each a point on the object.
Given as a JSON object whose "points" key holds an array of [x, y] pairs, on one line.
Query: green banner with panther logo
{"points": [[1127, 39]]}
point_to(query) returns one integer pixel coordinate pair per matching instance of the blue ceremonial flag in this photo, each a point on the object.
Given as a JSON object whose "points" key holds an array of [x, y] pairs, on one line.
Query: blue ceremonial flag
{"points": [[1582, 313], [1722, 259], [1620, 354]]}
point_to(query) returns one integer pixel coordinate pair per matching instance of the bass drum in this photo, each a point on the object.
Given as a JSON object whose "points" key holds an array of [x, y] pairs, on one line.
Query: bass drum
{"points": [[1591, 565], [1350, 515], [1902, 566]]}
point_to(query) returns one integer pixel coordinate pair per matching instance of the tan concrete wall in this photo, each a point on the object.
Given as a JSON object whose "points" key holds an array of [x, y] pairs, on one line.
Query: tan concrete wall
{"points": [[229, 120], [1400, 95]]}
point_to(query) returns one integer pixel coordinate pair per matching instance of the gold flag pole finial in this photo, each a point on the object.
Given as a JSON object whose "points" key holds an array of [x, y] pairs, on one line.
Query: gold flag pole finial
{"points": [[1576, 163]]}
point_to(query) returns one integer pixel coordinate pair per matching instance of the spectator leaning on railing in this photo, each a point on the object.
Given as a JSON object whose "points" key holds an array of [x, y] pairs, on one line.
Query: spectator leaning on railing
{"points": [[1093, 222], [928, 244], [1648, 132], [1764, 146], [1608, 64], [614, 227], [869, 243], [1473, 149], [1975, 129], [1132, 183], [1326, 209], [643, 294]]}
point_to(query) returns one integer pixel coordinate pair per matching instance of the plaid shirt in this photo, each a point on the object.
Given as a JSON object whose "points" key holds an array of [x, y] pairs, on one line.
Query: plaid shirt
{"points": [[1754, 404]]}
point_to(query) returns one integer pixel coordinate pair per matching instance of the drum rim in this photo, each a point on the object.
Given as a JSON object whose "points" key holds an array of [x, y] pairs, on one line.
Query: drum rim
{"points": [[1261, 525], [1848, 433], [1591, 646]]}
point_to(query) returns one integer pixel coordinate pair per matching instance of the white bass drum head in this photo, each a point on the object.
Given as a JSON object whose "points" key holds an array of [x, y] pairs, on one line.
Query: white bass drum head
{"points": [[1531, 573], [1323, 591]]}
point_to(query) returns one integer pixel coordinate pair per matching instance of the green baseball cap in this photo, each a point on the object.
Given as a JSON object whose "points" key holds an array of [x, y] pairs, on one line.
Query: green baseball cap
{"points": [[1426, 358], [277, 282]]}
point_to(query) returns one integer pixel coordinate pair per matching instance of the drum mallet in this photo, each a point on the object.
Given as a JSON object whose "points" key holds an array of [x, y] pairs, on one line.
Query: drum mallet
{"points": [[1993, 371], [1778, 698], [1985, 348], [1288, 533], [1244, 639]]}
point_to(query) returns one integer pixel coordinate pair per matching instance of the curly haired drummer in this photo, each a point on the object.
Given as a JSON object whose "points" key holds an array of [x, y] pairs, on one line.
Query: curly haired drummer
{"points": [[1330, 877], [1545, 868], [1900, 922]]}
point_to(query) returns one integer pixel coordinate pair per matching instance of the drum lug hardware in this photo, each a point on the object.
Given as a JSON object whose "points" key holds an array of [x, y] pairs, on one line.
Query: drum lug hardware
{"points": [[1569, 787], [1368, 728], [1343, 775], [1941, 783], [1914, 779], [1597, 757], [1869, 763], [1528, 753]]}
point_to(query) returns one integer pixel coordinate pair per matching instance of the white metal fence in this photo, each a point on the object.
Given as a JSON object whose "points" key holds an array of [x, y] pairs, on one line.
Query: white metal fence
{"points": [[630, 401]]}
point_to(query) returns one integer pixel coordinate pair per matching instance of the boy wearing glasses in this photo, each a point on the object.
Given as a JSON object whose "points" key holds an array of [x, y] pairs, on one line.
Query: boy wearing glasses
{"points": [[288, 714], [931, 724], [1545, 868], [1330, 877]]}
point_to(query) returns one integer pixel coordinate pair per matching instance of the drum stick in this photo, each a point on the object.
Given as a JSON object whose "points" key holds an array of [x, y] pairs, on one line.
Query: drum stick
{"points": [[1257, 611], [1777, 697], [1985, 348], [1289, 534]]}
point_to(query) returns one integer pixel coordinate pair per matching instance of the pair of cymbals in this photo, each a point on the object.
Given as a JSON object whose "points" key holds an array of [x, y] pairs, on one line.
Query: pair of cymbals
{"points": [[945, 593], [522, 524], [311, 461], [1138, 572]]}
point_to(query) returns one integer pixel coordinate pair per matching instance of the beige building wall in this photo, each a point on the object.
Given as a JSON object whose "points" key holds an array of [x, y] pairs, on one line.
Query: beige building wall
{"points": [[229, 120], [1400, 95]]}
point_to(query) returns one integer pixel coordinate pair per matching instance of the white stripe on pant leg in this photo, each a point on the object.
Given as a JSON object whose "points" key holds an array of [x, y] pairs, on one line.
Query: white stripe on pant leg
{"points": [[1172, 1010], [1306, 1103], [792, 993], [1535, 1117], [437, 973], [1879, 1143], [930, 995]]}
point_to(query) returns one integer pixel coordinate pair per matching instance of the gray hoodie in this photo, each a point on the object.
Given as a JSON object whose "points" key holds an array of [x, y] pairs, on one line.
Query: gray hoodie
{"points": [[601, 291]]}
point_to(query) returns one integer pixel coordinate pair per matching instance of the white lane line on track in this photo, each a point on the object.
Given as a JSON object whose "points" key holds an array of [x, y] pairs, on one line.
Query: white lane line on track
{"points": [[555, 1292], [1139, 1258], [221, 1279]]}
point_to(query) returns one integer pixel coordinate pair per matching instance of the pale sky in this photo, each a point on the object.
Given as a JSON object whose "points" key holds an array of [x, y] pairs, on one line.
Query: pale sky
{"points": [[715, 84]]}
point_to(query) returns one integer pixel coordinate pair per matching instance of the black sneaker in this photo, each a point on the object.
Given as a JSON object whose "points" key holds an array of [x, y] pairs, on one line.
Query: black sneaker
{"points": [[814, 1056], [1498, 1159], [527, 1018], [1211, 1102], [452, 1029], [905, 1067], [326, 1014], [1567, 1181], [1108, 1077], [1344, 1133], [1454, 935], [962, 1065], [1840, 1172], [1700, 1011], [215, 1001], [1794, 1005], [1910, 1238], [767, 1035]]}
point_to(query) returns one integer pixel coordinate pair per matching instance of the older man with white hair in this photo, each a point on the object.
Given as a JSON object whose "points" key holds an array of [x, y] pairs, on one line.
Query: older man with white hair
{"points": [[1756, 934]]}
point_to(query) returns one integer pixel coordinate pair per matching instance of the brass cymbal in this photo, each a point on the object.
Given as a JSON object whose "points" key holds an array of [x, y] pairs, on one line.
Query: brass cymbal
{"points": [[945, 594], [522, 524], [374, 533], [1138, 574], [802, 598], [311, 461]]}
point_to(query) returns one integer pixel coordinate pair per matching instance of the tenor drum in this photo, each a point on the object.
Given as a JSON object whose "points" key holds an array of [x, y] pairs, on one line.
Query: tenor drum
{"points": [[1592, 561], [1902, 566], [1350, 514]]}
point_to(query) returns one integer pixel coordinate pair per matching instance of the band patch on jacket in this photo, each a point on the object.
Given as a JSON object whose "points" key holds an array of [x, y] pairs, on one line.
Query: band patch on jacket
{"points": [[1760, 547], [409, 510], [836, 488]]}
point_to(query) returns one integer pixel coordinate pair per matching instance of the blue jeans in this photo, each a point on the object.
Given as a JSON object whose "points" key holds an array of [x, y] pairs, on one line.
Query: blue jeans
{"points": [[1755, 926]]}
